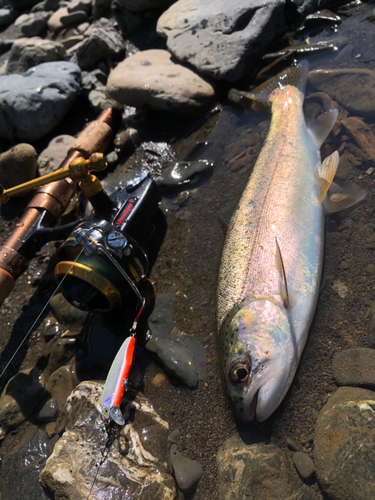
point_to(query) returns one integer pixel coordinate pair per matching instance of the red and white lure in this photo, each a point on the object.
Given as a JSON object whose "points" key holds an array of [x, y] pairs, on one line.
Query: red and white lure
{"points": [[117, 380]]}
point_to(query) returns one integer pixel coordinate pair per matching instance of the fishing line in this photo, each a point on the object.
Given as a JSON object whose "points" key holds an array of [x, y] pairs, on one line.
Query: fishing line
{"points": [[37, 319]]}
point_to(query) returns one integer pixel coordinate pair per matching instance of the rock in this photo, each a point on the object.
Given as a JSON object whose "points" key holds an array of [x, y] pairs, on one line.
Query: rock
{"points": [[151, 79], [99, 7], [71, 41], [29, 52], [370, 269], [6, 17], [304, 465], [174, 435], [20, 397], [181, 355], [93, 87], [54, 22], [62, 351], [257, 471], [102, 41], [144, 5], [291, 444], [127, 139], [51, 158], [354, 89], [76, 17], [48, 92], [49, 411], [65, 312], [21, 466], [187, 472], [355, 367], [60, 385], [136, 461], [344, 445], [35, 23], [221, 38], [18, 165], [80, 5]]}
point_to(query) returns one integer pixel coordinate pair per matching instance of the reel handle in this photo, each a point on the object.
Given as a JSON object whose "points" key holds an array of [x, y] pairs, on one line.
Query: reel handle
{"points": [[78, 169]]}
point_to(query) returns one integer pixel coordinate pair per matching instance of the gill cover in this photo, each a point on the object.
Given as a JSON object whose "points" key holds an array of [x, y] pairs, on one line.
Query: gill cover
{"points": [[262, 359]]}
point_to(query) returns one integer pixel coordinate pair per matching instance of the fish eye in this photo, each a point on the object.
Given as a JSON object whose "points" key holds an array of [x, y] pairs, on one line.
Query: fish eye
{"points": [[239, 370]]}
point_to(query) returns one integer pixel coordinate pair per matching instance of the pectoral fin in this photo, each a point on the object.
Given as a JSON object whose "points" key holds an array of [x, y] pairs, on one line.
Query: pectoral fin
{"points": [[323, 125], [324, 174], [281, 270]]}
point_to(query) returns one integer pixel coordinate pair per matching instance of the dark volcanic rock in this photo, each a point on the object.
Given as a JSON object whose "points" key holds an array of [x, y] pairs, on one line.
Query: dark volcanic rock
{"points": [[21, 468], [257, 471], [344, 445], [355, 367], [221, 38]]}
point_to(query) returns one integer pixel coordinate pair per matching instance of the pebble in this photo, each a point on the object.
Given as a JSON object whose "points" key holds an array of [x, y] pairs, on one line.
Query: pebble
{"points": [[159, 380], [18, 165], [65, 312], [303, 464], [151, 79], [80, 6], [174, 435], [6, 16], [60, 385], [76, 17], [62, 351], [355, 367], [187, 472], [54, 22], [180, 172], [127, 140], [49, 411], [292, 445], [370, 268], [71, 41]]}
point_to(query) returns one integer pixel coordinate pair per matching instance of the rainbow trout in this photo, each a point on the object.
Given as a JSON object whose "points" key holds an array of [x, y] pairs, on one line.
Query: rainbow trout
{"points": [[272, 259]]}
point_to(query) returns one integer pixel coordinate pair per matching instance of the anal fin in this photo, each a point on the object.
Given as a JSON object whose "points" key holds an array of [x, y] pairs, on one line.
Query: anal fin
{"points": [[325, 173], [281, 270]]}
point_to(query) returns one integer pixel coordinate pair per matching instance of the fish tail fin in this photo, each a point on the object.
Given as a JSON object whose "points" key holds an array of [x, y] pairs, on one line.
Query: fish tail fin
{"points": [[295, 75]]}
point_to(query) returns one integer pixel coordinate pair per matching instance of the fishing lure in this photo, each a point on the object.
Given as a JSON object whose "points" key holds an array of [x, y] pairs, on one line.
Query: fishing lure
{"points": [[117, 380]]}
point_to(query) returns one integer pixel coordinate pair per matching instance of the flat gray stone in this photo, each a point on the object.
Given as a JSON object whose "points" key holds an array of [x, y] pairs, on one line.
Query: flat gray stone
{"points": [[187, 472], [344, 445], [152, 79], [343, 84], [29, 52], [355, 367], [32, 104], [303, 464], [221, 38], [80, 5]]}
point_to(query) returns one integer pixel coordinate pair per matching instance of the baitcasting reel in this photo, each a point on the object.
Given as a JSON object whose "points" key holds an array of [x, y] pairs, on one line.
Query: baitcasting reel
{"points": [[103, 261]]}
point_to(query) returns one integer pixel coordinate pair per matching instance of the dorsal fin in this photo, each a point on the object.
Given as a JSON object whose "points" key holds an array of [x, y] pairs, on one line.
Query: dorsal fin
{"points": [[281, 270]]}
